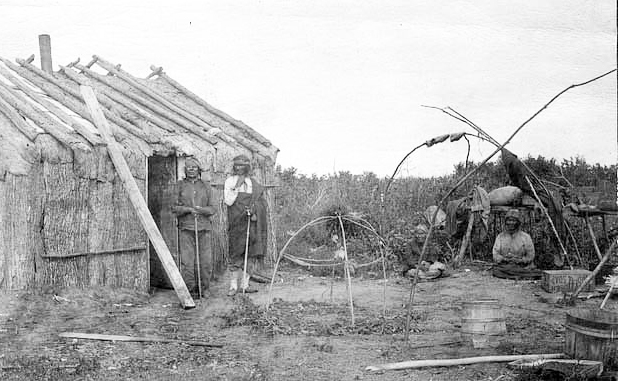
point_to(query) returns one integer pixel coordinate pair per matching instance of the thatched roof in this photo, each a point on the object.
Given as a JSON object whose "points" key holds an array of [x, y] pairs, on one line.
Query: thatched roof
{"points": [[155, 115]]}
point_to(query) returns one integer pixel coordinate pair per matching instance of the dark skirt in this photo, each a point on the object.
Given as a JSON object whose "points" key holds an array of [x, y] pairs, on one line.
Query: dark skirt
{"points": [[237, 229]]}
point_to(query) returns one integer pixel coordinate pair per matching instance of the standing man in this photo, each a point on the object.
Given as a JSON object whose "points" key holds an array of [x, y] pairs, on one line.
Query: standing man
{"points": [[193, 208], [246, 207]]}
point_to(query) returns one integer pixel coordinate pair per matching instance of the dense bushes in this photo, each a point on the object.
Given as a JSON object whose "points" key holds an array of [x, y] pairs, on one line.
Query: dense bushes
{"points": [[302, 198]]}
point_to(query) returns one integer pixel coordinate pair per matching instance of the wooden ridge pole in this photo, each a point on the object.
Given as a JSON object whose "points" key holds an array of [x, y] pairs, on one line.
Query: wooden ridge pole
{"points": [[115, 152]]}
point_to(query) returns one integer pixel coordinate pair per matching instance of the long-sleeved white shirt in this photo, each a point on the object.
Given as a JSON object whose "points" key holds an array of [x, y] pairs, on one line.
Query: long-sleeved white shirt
{"points": [[230, 191]]}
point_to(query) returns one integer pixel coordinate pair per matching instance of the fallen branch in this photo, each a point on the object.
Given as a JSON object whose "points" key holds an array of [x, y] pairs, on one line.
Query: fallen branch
{"points": [[463, 361], [94, 336]]}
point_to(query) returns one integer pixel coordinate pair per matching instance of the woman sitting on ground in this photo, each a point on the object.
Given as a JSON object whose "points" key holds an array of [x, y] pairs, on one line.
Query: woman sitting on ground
{"points": [[513, 251]]}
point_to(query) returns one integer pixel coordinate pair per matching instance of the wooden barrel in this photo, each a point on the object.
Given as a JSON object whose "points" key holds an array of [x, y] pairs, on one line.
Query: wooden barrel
{"points": [[483, 322], [592, 335]]}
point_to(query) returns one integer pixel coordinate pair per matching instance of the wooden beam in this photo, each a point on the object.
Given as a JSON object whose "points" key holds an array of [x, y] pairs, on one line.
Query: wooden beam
{"points": [[95, 336], [462, 361], [137, 199]]}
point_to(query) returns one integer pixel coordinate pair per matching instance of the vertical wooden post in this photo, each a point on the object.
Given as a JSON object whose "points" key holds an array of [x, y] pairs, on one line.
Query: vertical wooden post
{"points": [[45, 50], [141, 208]]}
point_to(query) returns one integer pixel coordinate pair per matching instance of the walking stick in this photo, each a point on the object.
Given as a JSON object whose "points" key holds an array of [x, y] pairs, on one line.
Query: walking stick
{"points": [[178, 246], [244, 271], [197, 260]]}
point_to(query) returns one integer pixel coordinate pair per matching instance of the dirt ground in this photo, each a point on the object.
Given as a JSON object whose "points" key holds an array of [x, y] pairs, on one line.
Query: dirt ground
{"points": [[307, 334]]}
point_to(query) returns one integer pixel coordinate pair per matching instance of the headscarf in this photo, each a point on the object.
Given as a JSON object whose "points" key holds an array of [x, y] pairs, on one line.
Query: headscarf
{"points": [[513, 213], [193, 161], [241, 160]]}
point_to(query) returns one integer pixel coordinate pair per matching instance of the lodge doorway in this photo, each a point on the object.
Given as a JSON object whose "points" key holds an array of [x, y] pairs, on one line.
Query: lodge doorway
{"points": [[162, 187]]}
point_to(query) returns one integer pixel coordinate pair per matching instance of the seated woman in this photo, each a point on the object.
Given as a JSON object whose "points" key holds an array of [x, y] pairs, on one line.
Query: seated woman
{"points": [[513, 251]]}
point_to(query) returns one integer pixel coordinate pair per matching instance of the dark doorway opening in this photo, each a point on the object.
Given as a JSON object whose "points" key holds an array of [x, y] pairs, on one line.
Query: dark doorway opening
{"points": [[162, 185]]}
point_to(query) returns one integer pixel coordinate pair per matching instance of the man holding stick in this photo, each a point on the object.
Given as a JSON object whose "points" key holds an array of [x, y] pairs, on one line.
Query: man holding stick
{"points": [[247, 223], [193, 208]]}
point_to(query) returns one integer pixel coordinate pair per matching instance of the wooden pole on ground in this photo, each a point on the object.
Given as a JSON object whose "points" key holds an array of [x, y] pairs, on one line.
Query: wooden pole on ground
{"points": [[141, 208], [95, 336], [463, 361]]}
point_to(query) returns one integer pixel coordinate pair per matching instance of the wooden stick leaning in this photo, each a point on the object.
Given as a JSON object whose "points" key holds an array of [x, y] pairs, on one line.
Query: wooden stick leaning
{"points": [[94, 336], [609, 292], [346, 268], [595, 271], [136, 198], [462, 361], [553, 228], [466, 240], [594, 237], [467, 176]]}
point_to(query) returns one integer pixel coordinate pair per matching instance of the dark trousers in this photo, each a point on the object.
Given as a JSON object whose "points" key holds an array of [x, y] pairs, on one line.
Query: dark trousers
{"points": [[187, 256]]}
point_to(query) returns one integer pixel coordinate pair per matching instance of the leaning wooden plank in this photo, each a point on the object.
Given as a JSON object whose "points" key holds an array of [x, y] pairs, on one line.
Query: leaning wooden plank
{"points": [[462, 361], [137, 200], [95, 336], [596, 270]]}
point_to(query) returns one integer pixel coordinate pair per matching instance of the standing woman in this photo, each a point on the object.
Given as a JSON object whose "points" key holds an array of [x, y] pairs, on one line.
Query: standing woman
{"points": [[246, 207], [193, 208]]}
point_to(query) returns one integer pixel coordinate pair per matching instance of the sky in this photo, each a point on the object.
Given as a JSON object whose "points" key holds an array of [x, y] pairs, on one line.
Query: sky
{"points": [[340, 85]]}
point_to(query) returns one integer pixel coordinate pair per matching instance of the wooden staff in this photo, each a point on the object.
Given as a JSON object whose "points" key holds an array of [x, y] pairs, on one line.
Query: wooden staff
{"points": [[244, 269], [197, 259]]}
